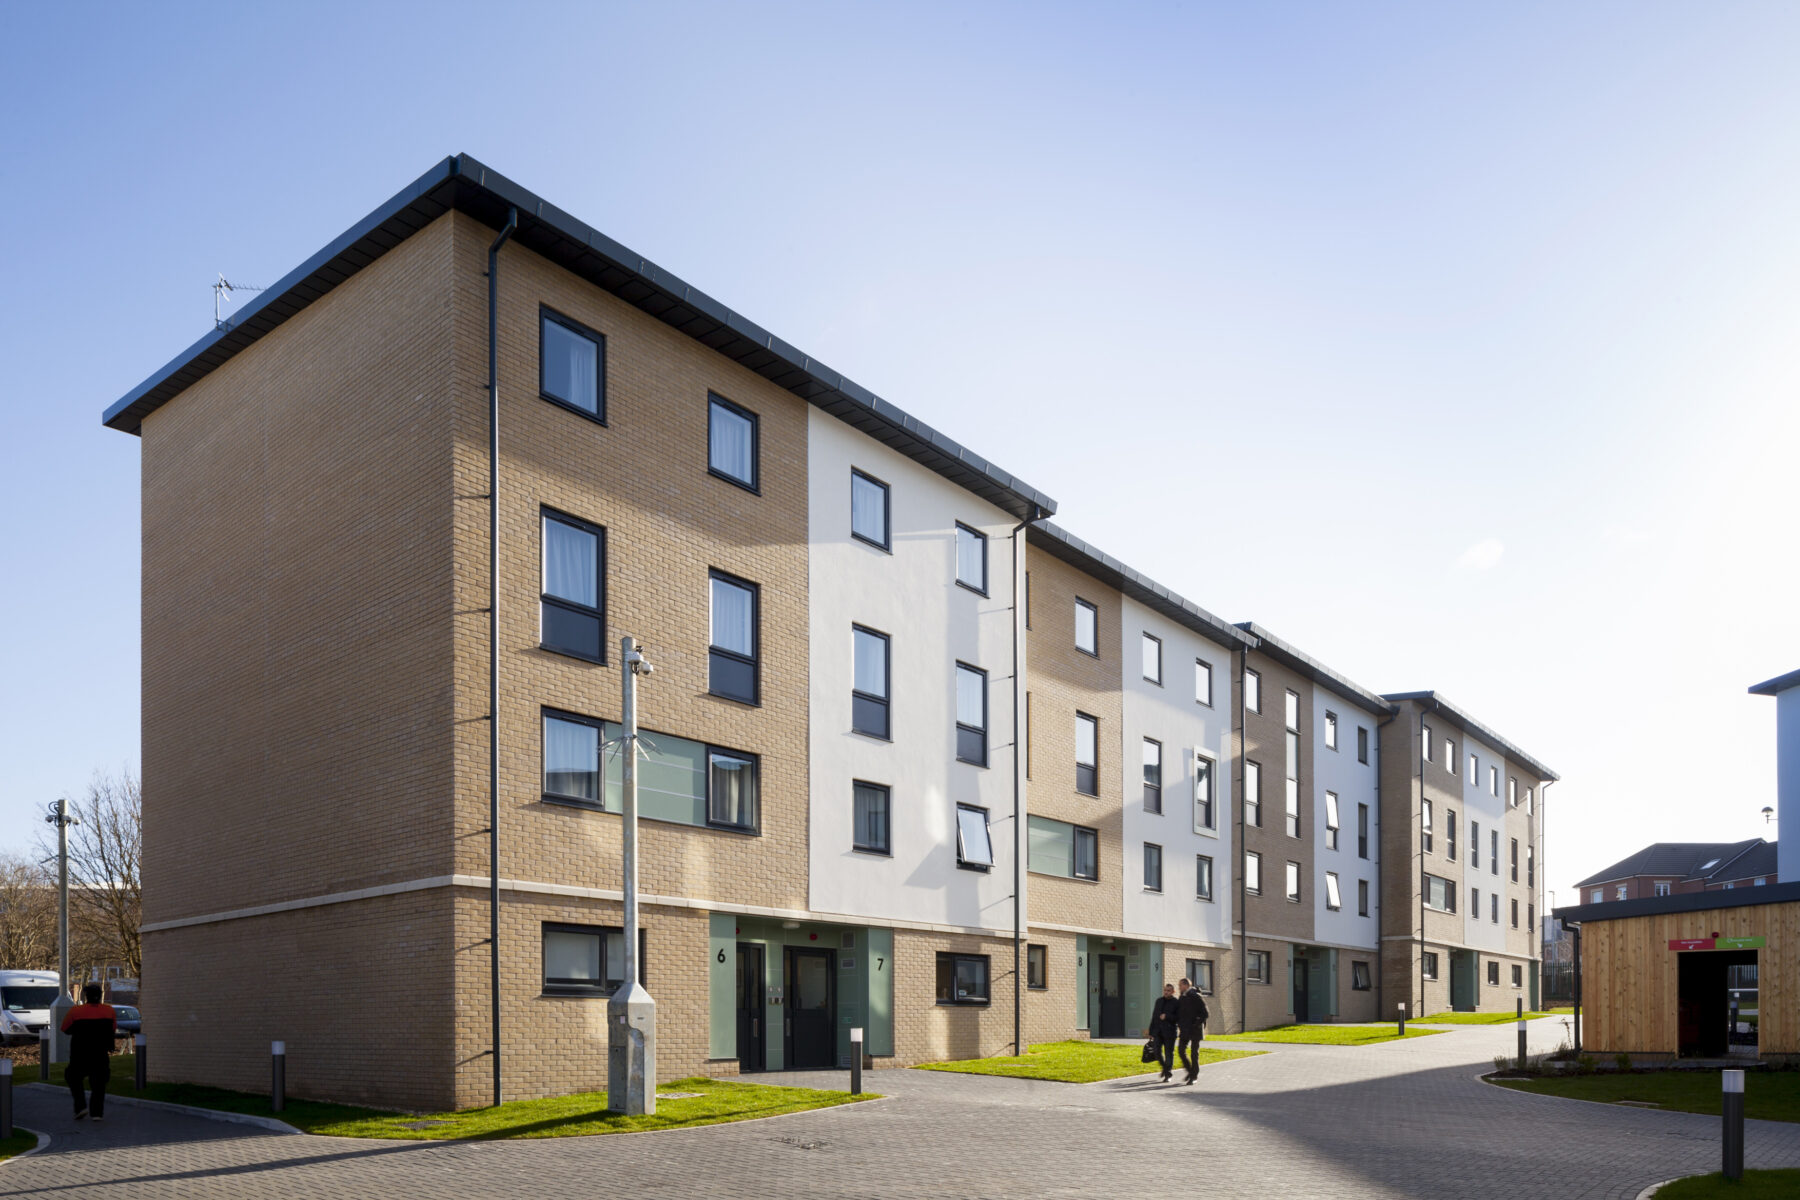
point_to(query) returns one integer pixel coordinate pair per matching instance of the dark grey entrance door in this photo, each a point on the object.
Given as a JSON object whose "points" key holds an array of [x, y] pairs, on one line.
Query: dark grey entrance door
{"points": [[752, 1040], [811, 1006], [1112, 995], [1302, 989]]}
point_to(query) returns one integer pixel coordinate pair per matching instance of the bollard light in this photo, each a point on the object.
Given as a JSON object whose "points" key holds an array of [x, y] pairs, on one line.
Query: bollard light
{"points": [[6, 1111], [1402, 1007], [1732, 1135], [1521, 1044], [856, 1057], [278, 1076]]}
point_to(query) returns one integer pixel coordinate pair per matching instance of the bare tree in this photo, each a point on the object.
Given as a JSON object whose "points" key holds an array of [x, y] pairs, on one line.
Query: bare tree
{"points": [[106, 892], [27, 915]]}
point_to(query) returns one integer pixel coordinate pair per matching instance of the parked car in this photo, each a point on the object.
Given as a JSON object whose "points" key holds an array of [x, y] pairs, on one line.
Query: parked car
{"points": [[25, 1000], [128, 1021]]}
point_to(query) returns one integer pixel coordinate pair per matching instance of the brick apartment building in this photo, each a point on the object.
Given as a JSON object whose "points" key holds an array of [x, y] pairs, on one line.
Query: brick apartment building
{"points": [[1675, 868], [866, 766]]}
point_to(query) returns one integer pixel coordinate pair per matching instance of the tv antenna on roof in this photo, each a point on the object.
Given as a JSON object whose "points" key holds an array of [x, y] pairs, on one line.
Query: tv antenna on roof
{"points": [[222, 289]]}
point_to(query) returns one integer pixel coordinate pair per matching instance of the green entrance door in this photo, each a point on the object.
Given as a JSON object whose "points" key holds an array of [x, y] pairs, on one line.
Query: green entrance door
{"points": [[1462, 980]]}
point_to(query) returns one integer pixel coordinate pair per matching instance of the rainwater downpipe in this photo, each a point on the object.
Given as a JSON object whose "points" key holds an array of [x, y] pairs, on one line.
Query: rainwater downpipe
{"points": [[1380, 942], [1018, 816], [493, 388], [1243, 850]]}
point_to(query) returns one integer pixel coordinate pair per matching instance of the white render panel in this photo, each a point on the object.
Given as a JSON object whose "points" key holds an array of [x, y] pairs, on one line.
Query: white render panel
{"points": [[1354, 782], [1171, 714], [911, 595], [1481, 806]]}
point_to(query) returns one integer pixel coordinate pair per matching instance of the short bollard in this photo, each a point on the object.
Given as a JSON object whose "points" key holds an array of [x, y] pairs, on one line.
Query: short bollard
{"points": [[1521, 1035], [856, 1045], [1733, 1136], [5, 1097], [1402, 1007], [139, 1074], [44, 1056], [278, 1076]]}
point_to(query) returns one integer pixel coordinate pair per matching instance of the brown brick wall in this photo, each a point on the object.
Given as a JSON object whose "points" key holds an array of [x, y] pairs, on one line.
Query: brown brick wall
{"points": [[1264, 740]]}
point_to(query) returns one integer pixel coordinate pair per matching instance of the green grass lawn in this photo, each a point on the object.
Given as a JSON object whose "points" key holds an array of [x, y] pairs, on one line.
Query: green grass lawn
{"points": [[1324, 1035], [1476, 1018], [718, 1101], [1755, 1185], [1771, 1096], [18, 1143], [1076, 1062]]}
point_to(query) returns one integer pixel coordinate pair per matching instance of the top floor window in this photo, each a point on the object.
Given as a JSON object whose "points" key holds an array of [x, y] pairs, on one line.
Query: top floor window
{"points": [[1153, 659], [571, 365], [1362, 744], [1494, 782], [1203, 682], [1252, 690], [571, 620], [971, 558], [731, 450], [1474, 768], [1512, 791], [1087, 627], [1424, 741], [1331, 731], [869, 510], [1292, 710]]}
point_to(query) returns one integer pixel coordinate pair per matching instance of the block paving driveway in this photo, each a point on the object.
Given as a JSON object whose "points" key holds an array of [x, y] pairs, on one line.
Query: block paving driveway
{"points": [[1399, 1119]]}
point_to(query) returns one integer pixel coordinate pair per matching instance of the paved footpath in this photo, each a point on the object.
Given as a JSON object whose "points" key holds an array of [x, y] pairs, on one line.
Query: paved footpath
{"points": [[1399, 1119]]}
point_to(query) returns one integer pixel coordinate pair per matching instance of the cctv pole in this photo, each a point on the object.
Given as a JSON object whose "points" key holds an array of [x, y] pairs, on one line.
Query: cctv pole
{"points": [[59, 1041], [631, 1013]]}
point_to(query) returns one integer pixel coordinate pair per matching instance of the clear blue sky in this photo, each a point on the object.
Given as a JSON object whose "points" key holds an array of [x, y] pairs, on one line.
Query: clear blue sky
{"points": [[1454, 343]]}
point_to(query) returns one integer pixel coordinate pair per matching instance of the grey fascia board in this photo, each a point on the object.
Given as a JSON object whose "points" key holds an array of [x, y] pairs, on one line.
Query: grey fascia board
{"points": [[1679, 902], [1469, 723], [1317, 671], [1780, 683], [464, 180], [1139, 587]]}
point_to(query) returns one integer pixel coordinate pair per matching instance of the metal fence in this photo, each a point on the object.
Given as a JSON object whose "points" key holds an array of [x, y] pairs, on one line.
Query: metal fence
{"points": [[1559, 984]]}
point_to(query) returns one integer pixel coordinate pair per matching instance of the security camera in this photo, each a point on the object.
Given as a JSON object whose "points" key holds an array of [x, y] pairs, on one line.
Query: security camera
{"points": [[644, 668]]}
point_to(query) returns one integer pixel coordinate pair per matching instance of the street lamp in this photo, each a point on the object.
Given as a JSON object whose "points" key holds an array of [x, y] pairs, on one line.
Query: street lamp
{"points": [[631, 1013], [60, 817]]}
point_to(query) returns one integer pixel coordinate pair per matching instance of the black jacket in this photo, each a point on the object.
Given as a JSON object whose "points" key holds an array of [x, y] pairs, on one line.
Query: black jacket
{"points": [[1164, 1016], [1190, 1010]]}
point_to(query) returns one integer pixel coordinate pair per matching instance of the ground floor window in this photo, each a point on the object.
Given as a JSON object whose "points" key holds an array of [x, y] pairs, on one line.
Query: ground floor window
{"points": [[1428, 965], [1518, 976], [1037, 967], [1200, 974], [1256, 966], [1359, 977], [587, 960], [1493, 973], [962, 978]]}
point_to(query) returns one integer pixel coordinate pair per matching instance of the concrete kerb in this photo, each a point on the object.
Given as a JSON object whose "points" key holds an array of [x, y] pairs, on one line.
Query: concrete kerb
{"points": [[43, 1140], [1657, 1187], [214, 1114]]}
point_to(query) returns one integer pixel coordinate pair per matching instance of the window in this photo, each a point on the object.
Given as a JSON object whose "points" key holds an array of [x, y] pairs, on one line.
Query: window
{"points": [[1362, 744], [971, 715], [1293, 881], [1253, 794], [974, 849], [870, 817], [1152, 867], [1087, 628], [1359, 977], [1202, 682], [1493, 908], [1595, 898], [1493, 973], [1362, 831], [1059, 848], [587, 960], [1531, 918], [1530, 867], [1475, 903], [731, 795], [1200, 974], [1515, 912], [1494, 782], [1331, 731], [1428, 965], [1331, 821], [870, 659], [1450, 834], [1292, 792], [1530, 800], [1494, 853], [1256, 966], [1291, 710], [1334, 899], [1440, 894], [1203, 880], [571, 365], [971, 558], [686, 782], [1662, 887], [1622, 891], [1087, 754], [731, 445], [1252, 690], [571, 620], [1475, 845], [1474, 767], [1512, 791], [1515, 860], [1205, 817], [1425, 824], [1152, 775], [962, 978], [1362, 897], [1518, 975], [869, 510], [1253, 872], [1152, 650], [1424, 741], [731, 659], [1037, 967], [572, 759]]}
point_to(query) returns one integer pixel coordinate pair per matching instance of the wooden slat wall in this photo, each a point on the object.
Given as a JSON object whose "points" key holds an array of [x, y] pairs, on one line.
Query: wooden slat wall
{"points": [[1631, 980]]}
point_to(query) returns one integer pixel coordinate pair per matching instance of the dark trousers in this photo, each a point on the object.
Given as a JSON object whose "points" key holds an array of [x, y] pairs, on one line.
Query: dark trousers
{"points": [[1190, 1041], [95, 1073], [1165, 1051]]}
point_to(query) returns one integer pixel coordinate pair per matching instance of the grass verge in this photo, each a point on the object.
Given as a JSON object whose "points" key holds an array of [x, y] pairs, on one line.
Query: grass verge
{"points": [[716, 1102], [1755, 1185], [1768, 1096], [1075, 1062], [18, 1143], [1324, 1035], [1476, 1018]]}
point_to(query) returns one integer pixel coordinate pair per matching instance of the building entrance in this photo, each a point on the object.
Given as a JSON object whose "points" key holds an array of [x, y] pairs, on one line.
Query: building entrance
{"points": [[752, 1043], [1112, 996], [1717, 992], [811, 1007]]}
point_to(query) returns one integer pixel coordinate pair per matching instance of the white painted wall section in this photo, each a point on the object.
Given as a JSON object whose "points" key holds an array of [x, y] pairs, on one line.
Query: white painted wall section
{"points": [[1354, 783]]}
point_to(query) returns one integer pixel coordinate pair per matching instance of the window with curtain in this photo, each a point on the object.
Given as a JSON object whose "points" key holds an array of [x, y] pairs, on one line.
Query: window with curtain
{"points": [[971, 715], [869, 682], [1203, 880], [731, 790], [570, 617], [1200, 974], [571, 759], [571, 359], [731, 450], [869, 509], [971, 558], [869, 817], [1087, 754], [732, 655], [587, 960], [1331, 821]]}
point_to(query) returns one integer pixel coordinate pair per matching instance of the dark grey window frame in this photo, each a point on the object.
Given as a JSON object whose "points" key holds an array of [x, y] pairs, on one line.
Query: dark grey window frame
{"points": [[987, 979], [599, 727], [1362, 831], [599, 804], [1093, 769], [887, 794], [1332, 877], [546, 513], [981, 539], [886, 544], [754, 483], [598, 416], [1251, 673], [1145, 638], [1211, 777], [1095, 609], [1153, 856], [1360, 971], [1195, 973], [963, 864], [1362, 744], [865, 702], [1297, 893], [1331, 730], [982, 731], [754, 660], [1254, 958], [1203, 875], [1092, 837], [1152, 791], [755, 761], [1037, 967], [1428, 964], [1203, 670], [577, 989], [1362, 897]]}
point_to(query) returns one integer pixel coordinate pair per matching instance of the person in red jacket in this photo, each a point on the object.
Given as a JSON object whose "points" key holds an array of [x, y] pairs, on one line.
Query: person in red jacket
{"points": [[91, 1028]]}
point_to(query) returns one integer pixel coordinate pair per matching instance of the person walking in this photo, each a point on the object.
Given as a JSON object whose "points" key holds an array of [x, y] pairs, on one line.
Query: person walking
{"points": [[91, 1027], [1190, 1024], [1162, 1029]]}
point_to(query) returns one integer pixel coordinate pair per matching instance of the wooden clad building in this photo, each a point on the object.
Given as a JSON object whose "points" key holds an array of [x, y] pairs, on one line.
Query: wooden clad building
{"points": [[1703, 975]]}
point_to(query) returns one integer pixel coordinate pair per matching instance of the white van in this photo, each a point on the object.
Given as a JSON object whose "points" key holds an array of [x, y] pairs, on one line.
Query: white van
{"points": [[25, 1000]]}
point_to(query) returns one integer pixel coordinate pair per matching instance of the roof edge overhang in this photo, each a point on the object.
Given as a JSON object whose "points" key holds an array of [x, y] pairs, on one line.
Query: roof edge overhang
{"points": [[1293, 658], [1469, 723], [468, 186], [1679, 902], [1777, 685], [1091, 560]]}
